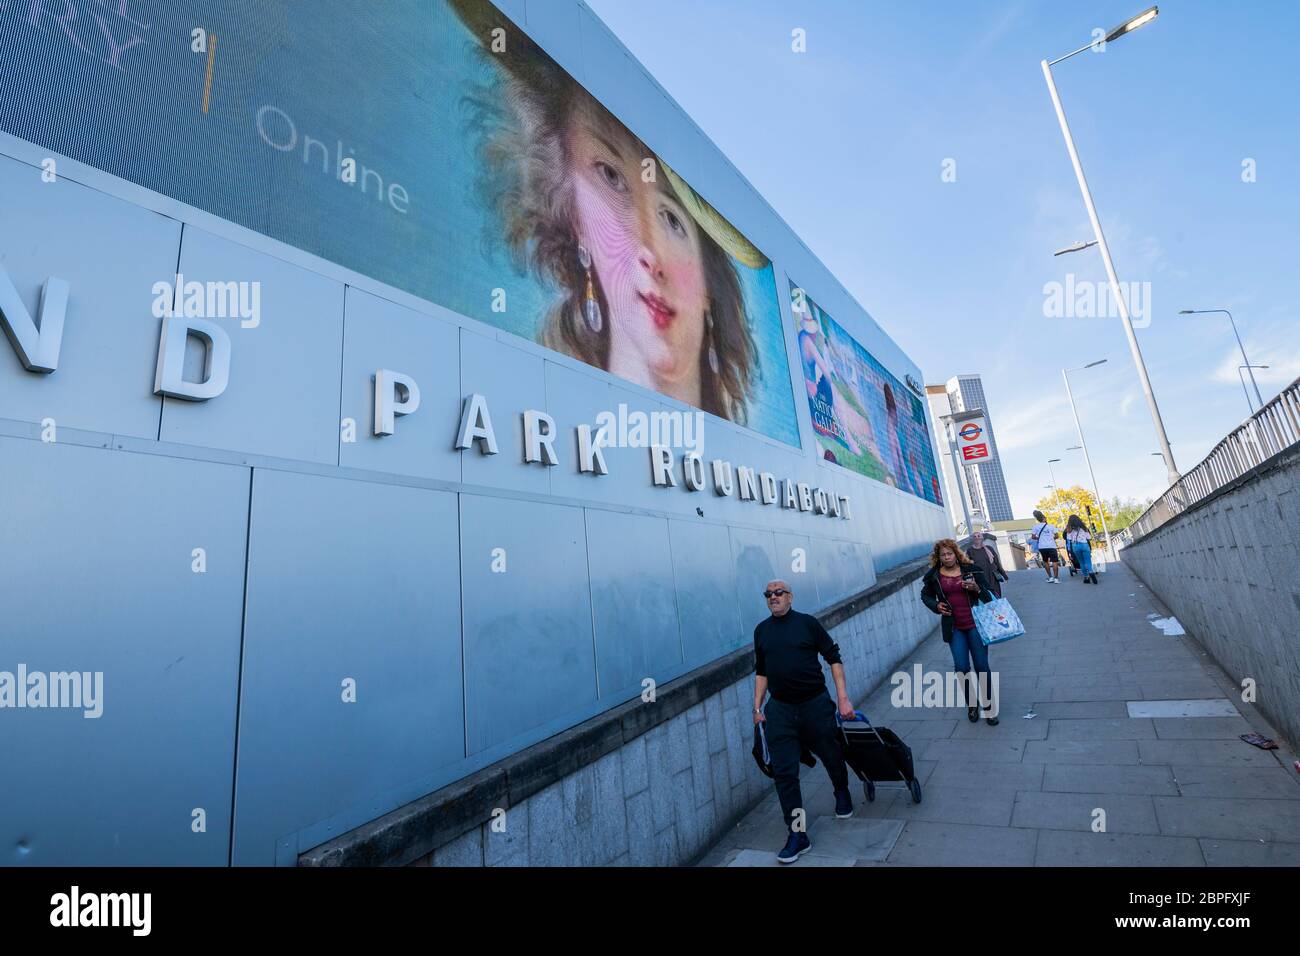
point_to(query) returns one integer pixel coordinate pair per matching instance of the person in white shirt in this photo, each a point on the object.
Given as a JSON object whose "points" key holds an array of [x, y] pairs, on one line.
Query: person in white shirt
{"points": [[1043, 535], [1078, 541]]}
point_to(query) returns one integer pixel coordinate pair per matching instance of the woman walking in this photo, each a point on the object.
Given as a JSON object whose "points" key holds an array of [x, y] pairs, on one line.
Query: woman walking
{"points": [[951, 588], [1079, 543]]}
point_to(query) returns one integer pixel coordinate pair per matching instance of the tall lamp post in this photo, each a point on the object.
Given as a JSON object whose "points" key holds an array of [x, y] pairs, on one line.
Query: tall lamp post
{"points": [[1143, 18], [1239, 345], [1065, 374], [1050, 471], [1243, 385]]}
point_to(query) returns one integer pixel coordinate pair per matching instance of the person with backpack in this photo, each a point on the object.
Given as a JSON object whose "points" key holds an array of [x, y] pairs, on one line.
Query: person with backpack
{"points": [[1079, 542], [952, 586], [1043, 535]]}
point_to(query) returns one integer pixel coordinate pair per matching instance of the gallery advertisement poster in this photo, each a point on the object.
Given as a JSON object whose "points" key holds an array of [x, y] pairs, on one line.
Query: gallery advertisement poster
{"points": [[865, 418], [429, 144]]}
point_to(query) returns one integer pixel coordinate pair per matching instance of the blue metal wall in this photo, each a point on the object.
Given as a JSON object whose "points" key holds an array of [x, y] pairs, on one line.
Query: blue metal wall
{"points": [[369, 561]]}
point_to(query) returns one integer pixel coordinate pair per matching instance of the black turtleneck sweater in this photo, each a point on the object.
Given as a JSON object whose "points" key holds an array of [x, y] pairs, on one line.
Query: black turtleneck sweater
{"points": [[785, 652]]}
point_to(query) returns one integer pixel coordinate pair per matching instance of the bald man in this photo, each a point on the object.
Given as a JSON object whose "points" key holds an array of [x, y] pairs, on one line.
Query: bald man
{"points": [[799, 713]]}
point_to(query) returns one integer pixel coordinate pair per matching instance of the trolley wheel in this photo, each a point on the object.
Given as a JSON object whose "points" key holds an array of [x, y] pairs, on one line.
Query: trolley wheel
{"points": [[914, 787], [870, 789]]}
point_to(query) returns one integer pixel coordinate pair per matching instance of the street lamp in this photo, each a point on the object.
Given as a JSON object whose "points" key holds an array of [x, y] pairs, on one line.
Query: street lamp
{"points": [[1065, 374], [1076, 247], [1239, 345], [1128, 26], [1050, 462], [1243, 385]]}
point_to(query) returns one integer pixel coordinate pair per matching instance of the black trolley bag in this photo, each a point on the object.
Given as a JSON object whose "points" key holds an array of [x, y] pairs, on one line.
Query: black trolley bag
{"points": [[877, 755]]}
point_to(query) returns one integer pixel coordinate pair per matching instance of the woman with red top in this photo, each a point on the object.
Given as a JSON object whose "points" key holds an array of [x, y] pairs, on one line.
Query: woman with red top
{"points": [[950, 588]]}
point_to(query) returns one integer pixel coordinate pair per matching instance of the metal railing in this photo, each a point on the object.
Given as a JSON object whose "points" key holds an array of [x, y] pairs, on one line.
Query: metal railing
{"points": [[1270, 431]]}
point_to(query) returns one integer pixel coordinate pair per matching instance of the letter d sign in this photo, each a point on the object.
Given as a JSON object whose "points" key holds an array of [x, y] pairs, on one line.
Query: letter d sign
{"points": [[169, 378]]}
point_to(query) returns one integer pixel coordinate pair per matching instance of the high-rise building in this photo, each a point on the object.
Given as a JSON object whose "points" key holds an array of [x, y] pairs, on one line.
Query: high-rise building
{"points": [[954, 493], [985, 481]]}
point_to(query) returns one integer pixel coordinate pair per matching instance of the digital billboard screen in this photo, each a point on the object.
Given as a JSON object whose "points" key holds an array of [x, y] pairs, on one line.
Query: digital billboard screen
{"points": [[864, 417], [429, 144]]}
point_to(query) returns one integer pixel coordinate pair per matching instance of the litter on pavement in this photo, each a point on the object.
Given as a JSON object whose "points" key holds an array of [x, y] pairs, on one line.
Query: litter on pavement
{"points": [[1169, 625]]}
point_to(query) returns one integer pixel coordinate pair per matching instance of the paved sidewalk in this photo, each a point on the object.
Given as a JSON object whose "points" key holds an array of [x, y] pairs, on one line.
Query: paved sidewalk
{"points": [[1175, 791]]}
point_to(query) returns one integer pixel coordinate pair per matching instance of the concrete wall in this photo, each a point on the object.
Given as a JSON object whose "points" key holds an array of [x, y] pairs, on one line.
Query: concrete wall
{"points": [[658, 797], [1228, 569]]}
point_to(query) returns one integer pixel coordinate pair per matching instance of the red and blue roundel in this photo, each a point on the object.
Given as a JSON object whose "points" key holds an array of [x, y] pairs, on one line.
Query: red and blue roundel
{"points": [[970, 431]]}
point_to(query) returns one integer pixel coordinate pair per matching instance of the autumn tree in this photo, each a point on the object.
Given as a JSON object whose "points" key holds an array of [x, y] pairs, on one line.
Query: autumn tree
{"points": [[1061, 503]]}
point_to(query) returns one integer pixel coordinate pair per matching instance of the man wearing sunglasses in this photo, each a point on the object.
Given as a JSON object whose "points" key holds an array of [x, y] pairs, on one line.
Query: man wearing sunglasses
{"points": [[799, 712]]}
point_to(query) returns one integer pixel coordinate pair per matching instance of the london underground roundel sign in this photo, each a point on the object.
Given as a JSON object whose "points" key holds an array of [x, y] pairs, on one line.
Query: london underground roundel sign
{"points": [[973, 441]]}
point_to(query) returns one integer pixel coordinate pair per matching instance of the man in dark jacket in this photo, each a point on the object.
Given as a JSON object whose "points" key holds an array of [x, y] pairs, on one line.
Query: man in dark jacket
{"points": [[799, 712]]}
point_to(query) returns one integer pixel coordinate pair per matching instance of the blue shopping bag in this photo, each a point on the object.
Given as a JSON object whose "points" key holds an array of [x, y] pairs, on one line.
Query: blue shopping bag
{"points": [[997, 621]]}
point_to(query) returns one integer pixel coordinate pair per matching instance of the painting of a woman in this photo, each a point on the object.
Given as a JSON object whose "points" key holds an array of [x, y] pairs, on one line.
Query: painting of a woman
{"points": [[642, 268]]}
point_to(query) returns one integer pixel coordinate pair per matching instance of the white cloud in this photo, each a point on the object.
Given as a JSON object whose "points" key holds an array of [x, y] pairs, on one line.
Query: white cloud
{"points": [[1037, 421], [1283, 363]]}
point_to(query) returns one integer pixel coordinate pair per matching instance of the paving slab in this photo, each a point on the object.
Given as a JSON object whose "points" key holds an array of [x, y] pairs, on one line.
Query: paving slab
{"points": [[862, 839], [1231, 818], [1084, 778], [1268, 783], [1082, 751], [1067, 848], [1207, 753], [998, 750], [1101, 728], [983, 807], [1201, 728], [923, 843], [748, 858], [1249, 853], [1009, 725], [1203, 707], [1123, 813], [1079, 708], [976, 774]]}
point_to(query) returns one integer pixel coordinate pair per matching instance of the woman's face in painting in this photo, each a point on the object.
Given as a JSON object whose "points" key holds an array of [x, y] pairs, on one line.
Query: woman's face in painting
{"points": [[646, 251]]}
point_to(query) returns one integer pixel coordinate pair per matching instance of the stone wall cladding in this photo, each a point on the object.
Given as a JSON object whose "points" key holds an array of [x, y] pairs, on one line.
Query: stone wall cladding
{"points": [[1229, 567], [662, 796]]}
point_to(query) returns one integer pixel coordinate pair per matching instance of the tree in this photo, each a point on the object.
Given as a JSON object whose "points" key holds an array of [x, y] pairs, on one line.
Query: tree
{"points": [[1125, 512], [1060, 504]]}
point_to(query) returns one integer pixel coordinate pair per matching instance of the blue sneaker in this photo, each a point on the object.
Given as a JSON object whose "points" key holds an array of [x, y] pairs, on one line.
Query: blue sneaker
{"points": [[843, 804], [795, 847]]}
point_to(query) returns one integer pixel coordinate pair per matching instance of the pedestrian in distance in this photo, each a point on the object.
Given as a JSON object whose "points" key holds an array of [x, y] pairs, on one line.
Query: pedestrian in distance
{"points": [[1079, 540], [1044, 537], [799, 712], [950, 589], [985, 555]]}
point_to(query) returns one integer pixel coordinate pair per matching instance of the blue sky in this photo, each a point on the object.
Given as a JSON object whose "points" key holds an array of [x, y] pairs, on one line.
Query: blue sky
{"points": [[848, 140]]}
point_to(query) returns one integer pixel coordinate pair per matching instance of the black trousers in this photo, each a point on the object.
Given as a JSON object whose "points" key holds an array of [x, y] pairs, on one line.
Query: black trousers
{"points": [[790, 727]]}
